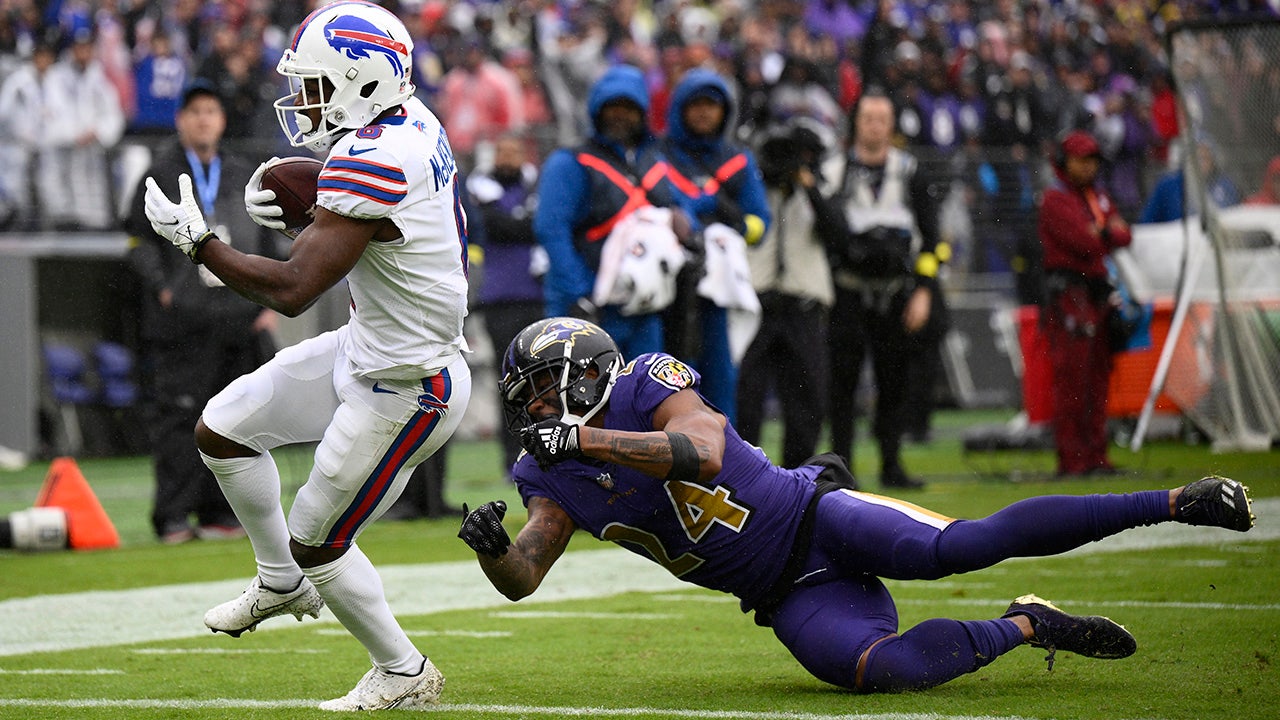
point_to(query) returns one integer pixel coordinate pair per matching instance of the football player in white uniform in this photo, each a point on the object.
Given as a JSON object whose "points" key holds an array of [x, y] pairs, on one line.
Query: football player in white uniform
{"points": [[380, 394]]}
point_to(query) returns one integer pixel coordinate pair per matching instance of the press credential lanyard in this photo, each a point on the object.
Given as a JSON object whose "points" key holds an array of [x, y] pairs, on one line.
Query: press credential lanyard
{"points": [[206, 183]]}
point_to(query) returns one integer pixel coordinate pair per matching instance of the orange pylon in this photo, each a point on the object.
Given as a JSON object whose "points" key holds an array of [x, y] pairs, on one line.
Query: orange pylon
{"points": [[88, 527]]}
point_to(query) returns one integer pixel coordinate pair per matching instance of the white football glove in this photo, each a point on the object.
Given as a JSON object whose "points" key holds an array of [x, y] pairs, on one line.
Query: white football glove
{"points": [[180, 223], [259, 203]]}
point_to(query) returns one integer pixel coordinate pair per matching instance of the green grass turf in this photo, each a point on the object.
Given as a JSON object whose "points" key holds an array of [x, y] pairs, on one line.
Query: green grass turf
{"points": [[1207, 617]]}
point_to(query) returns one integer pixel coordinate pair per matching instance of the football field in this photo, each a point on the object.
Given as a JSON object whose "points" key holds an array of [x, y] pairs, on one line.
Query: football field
{"points": [[118, 633]]}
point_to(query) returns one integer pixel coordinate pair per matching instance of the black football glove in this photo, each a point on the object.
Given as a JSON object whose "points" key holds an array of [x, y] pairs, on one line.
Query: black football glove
{"points": [[482, 529], [551, 442]]}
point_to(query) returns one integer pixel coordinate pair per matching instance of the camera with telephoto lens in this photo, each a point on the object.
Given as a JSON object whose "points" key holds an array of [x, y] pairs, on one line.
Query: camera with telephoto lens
{"points": [[879, 252], [787, 149], [779, 161]]}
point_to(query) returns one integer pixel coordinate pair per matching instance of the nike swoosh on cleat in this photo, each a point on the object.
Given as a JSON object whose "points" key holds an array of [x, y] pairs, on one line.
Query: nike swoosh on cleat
{"points": [[379, 389], [360, 151], [262, 613]]}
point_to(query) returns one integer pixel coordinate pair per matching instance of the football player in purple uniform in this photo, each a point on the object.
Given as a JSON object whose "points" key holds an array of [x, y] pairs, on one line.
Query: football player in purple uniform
{"points": [[632, 453]]}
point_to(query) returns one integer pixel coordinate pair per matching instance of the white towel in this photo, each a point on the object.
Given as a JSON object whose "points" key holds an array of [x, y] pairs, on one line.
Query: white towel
{"points": [[727, 283], [639, 263]]}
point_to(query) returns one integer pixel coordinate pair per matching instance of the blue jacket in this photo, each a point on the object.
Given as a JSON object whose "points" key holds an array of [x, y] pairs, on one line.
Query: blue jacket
{"points": [[1166, 201], [574, 199], [719, 179], [160, 82]]}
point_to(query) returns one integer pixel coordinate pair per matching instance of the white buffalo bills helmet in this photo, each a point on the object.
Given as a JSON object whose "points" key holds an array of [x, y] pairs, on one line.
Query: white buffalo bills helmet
{"points": [[366, 55]]}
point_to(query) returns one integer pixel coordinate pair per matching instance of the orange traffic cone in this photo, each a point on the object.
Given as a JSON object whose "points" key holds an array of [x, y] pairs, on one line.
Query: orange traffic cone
{"points": [[88, 527]]}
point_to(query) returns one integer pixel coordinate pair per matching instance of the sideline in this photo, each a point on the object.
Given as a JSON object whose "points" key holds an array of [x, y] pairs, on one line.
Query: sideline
{"points": [[169, 612]]}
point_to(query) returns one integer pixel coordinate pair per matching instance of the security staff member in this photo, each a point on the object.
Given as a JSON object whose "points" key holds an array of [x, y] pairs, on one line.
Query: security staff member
{"points": [[585, 191], [197, 334], [885, 278]]}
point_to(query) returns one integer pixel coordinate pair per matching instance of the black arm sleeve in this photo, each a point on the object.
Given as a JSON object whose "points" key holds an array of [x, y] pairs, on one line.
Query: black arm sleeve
{"points": [[925, 209]]}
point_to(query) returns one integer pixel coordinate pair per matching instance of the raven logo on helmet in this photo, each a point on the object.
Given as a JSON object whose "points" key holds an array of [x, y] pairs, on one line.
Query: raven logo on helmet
{"points": [[356, 38], [561, 330]]}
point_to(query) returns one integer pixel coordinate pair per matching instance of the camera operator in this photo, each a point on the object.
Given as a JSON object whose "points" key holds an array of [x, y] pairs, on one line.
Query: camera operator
{"points": [[790, 274], [885, 276]]}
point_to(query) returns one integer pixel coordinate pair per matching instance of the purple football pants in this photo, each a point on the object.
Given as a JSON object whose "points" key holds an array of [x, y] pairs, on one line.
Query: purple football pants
{"points": [[840, 608]]}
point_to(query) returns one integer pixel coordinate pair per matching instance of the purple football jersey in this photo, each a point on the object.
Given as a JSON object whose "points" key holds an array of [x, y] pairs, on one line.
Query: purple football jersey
{"points": [[732, 534]]}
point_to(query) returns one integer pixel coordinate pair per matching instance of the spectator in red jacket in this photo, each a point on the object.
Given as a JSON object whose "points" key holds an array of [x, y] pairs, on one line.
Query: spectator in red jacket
{"points": [[1079, 226], [479, 100]]}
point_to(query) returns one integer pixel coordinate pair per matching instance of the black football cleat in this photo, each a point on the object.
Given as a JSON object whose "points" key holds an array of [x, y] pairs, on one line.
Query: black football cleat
{"points": [[1088, 635], [1216, 502]]}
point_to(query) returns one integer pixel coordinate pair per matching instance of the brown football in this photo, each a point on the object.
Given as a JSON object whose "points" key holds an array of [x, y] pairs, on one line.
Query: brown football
{"points": [[294, 181]]}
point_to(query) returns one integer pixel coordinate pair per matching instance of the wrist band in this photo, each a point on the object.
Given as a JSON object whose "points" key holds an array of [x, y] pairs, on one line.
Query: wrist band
{"points": [[199, 243], [927, 265], [684, 459]]}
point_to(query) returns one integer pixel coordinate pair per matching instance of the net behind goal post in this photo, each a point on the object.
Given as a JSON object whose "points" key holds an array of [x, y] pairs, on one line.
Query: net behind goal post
{"points": [[1221, 360]]}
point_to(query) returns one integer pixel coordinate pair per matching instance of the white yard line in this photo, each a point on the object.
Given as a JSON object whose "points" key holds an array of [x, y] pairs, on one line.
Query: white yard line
{"points": [[104, 618], [562, 615], [504, 710], [62, 671], [478, 634], [227, 651]]}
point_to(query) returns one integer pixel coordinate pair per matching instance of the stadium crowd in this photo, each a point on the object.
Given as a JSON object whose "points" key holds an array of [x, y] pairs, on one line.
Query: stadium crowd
{"points": [[981, 89]]}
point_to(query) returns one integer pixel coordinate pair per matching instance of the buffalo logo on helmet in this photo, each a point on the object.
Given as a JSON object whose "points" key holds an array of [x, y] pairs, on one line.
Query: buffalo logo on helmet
{"points": [[358, 38], [672, 373]]}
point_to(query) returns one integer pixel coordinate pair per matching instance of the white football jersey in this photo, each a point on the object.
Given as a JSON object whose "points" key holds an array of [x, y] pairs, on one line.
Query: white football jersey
{"points": [[408, 296]]}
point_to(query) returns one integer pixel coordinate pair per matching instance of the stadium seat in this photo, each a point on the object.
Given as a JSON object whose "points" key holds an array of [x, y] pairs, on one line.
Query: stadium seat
{"points": [[115, 369], [66, 369]]}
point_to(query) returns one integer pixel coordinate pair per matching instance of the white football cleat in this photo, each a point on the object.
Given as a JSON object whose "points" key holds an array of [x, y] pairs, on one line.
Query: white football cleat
{"points": [[379, 690], [258, 603]]}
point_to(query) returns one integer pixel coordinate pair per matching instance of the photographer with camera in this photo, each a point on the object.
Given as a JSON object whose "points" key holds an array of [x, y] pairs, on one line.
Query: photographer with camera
{"points": [[790, 274], [885, 275]]}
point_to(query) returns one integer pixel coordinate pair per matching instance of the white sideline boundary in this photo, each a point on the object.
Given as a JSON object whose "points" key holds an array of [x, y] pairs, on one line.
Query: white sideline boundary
{"points": [[169, 612], [502, 710], [104, 618]]}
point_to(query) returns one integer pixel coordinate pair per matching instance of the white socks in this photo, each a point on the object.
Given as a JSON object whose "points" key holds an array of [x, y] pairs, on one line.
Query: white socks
{"points": [[350, 585], [352, 590], [252, 486]]}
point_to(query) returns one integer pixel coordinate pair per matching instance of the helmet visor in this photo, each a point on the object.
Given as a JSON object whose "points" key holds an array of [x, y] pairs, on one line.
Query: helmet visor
{"points": [[303, 113], [542, 385]]}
